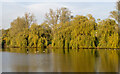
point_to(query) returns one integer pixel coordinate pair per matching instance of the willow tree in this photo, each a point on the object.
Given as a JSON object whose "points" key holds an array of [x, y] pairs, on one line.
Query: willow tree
{"points": [[19, 27], [78, 33], [83, 34], [55, 18], [39, 35], [107, 34], [5, 40], [116, 15], [62, 35]]}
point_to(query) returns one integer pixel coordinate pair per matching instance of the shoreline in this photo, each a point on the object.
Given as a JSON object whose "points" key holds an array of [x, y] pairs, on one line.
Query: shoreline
{"points": [[59, 48]]}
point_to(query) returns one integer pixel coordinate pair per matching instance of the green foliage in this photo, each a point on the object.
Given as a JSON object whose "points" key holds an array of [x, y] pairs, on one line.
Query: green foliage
{"points": [[62, 31], [24, 32], [108, 34], [116, 15], [79, 33]]}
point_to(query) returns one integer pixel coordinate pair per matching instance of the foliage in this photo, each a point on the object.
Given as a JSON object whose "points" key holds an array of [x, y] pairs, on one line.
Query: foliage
{"points": [[61, 30]]}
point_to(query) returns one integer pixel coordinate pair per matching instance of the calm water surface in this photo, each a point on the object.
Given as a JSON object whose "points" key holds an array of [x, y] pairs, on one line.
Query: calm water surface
{"points": [[60, 60]]}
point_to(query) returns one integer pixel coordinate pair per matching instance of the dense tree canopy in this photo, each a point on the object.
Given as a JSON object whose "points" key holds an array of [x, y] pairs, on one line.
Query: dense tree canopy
{"points": [[116, 15], [62, 30]]}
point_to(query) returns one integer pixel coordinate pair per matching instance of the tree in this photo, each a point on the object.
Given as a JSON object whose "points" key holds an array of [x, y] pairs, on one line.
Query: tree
{"points": [[107, 34], [20, 27], [55, 17], [78, 33], [62, 31], [116, 16], [20, 24]]}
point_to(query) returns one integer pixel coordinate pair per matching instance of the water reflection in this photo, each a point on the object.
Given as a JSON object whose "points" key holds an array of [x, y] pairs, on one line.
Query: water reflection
{"points": [[60, 60]]}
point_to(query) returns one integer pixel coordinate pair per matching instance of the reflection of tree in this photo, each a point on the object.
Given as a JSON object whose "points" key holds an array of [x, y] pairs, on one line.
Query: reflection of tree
{"points": [[20, 68], [57, 60], [119, 61], [109, 61], [97, 61]]}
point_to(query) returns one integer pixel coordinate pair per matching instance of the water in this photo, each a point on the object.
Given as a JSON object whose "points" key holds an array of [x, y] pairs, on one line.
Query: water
{"points": [[60, 60]]}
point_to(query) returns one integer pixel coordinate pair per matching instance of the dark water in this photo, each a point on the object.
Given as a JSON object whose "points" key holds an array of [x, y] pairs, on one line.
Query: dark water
{"points": [[60, 60]]}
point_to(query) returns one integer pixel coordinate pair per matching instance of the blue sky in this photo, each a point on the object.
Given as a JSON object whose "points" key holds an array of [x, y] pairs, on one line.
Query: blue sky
{"points": [[11, 10]]}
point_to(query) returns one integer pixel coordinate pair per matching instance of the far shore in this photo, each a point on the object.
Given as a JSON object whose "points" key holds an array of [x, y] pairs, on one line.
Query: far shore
{"points": [[59, 48]]}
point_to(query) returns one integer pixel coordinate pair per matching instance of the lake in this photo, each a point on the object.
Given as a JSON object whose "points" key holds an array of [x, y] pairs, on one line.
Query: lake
{"points": [[60, 60]]}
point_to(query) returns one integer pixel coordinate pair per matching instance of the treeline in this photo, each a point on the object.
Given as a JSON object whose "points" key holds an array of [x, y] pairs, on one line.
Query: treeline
{"points": [[84, 32], [62, 30], [24, 32]]}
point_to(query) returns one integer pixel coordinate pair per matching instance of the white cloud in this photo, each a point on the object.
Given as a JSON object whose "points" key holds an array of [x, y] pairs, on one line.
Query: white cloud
{"points": [[12, 10], [39, 10]]}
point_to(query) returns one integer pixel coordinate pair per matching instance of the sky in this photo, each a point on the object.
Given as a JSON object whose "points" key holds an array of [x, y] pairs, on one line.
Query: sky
{"points": [[11, 9], [58, 0]]}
